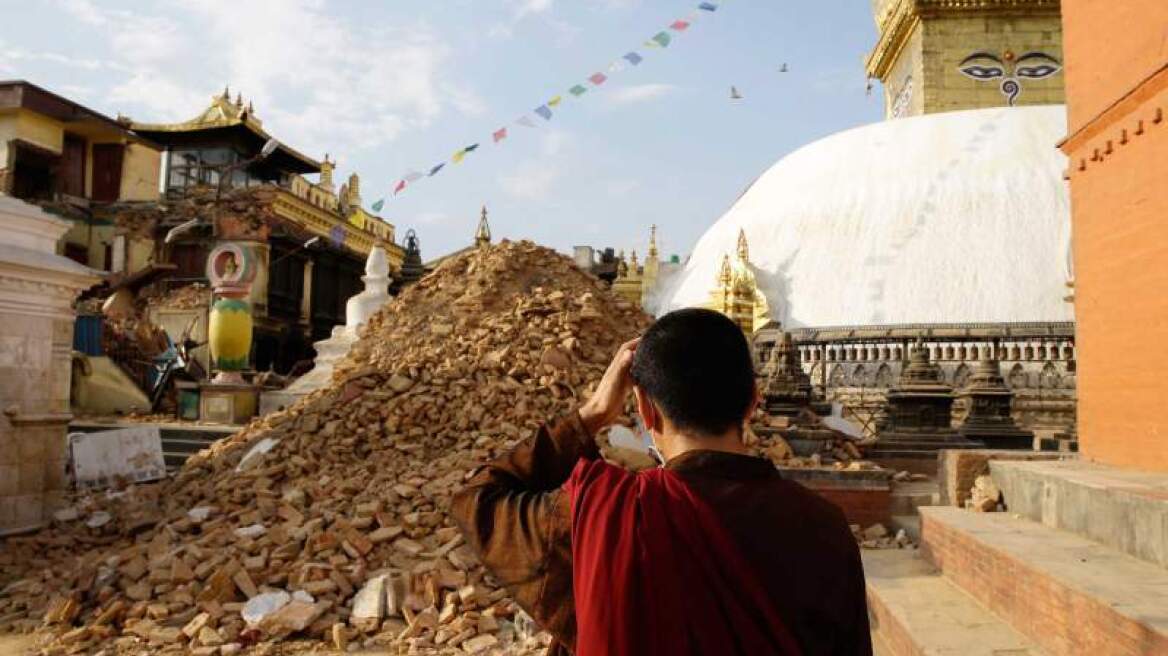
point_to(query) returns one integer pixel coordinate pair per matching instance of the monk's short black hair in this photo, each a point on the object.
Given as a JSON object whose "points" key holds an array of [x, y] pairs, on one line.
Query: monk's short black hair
{"points": [[696, 366]]}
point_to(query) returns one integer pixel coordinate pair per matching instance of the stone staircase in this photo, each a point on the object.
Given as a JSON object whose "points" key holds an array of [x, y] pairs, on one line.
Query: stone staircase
{"points": [[1078, 565]]}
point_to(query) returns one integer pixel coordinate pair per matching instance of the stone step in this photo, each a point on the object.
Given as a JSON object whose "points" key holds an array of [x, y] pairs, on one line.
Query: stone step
{"points": [[1124, 510], [916, 611], [1067, 594]]}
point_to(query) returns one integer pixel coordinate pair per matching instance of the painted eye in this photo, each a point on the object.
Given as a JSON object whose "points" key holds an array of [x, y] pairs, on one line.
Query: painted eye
{"points": [[982, 72], [1037, 72]]}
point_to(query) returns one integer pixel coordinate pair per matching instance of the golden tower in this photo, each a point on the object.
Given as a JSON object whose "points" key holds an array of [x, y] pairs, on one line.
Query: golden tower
{"points": [[483, 231], [736, 293], [941, 55]]}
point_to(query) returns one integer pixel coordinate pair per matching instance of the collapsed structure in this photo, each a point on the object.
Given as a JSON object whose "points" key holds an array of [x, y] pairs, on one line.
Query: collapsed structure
{"points": [[329, 520]]}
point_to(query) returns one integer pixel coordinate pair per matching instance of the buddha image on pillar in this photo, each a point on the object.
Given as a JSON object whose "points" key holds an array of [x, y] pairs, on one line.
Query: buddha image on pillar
{"points": [[1010, 69]]}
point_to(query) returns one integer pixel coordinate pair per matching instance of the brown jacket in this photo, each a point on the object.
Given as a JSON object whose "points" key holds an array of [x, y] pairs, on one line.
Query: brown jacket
{"points": [[515, 515]]}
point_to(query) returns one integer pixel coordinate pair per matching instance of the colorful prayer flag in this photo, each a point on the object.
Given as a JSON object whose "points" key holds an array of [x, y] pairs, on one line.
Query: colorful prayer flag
{"points": [[708, 6], [499, 135], [633, 58], [616, 67], [578, 90], [457, 156], [660, 39], [554, 101], [378, 205], [412, 176], [543, 111], [471, 147], [525, 121], [597, 78], [436, 169], [400, 185], [679, 25]]}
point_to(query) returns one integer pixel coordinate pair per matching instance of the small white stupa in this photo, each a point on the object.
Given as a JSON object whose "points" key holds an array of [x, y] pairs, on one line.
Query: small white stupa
{"points": [[329, 351]]}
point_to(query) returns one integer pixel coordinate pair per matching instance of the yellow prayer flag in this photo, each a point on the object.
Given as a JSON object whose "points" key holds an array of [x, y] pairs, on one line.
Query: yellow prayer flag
{"points": [[458, 155]]}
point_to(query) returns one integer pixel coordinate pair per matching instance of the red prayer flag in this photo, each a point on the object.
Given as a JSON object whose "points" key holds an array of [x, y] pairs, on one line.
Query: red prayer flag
{"points": [[597, 78], [499, 134], [679, 25], [400, 185]]}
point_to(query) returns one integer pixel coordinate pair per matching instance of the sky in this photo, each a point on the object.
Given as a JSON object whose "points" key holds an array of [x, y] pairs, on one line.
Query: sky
{"points": [[398, 85]]}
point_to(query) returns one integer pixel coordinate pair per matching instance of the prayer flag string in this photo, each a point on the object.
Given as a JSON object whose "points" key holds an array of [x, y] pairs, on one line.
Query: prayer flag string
{"points": [[659, 40]]}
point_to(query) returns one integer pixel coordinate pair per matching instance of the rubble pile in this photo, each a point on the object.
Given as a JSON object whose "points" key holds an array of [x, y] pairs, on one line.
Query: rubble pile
{"points": [[188, 297], [985, 496], [328, 521], [877, 536]]}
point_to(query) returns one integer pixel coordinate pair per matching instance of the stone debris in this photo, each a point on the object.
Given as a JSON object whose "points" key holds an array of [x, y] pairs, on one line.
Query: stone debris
{"points": [[985, 496], [877, 536], [336, 531]]}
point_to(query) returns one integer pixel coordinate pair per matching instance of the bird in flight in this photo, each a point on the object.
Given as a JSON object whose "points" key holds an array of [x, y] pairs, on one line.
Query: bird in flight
{"points": [[734, 94]]}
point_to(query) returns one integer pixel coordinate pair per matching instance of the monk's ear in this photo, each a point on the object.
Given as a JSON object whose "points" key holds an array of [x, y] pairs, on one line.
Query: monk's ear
{"points": [[649, 415], [755, 400]]}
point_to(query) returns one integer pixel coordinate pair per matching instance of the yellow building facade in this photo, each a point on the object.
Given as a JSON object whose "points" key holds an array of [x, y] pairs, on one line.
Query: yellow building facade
{"points": [[945, 55]]}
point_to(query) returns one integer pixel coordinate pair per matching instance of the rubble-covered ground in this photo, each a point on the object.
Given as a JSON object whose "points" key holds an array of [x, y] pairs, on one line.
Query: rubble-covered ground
{"points": [[335, 528], [326, 524]]}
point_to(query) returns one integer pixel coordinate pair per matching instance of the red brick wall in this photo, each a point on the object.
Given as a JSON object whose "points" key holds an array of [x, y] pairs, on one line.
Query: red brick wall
{"points": [[1117, 92]]}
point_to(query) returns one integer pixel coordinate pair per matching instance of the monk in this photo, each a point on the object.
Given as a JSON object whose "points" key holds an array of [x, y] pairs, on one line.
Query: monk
{"points": [[711, 553]]}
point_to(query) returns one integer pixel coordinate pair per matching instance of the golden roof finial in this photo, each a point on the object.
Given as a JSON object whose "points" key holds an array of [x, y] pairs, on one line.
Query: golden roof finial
{"points": [[238, 99], [652, 242], [226, 93], [483, 232], [250, 108], [724, 275], [743, 247], [633, 263]]}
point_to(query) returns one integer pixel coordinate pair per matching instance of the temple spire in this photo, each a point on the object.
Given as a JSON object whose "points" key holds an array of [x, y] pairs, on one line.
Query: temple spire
{"points": [[483, 232], [743, 247], [652, 255], [724, 275]]}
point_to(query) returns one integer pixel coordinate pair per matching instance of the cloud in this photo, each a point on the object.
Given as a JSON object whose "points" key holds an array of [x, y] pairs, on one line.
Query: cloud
{"points": [[319, 81], [525, 8], [638, 93], [532, 180]]}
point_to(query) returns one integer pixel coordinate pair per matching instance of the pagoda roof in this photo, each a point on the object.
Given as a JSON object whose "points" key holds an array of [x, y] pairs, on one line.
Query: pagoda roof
{"points": [[221, 117]]}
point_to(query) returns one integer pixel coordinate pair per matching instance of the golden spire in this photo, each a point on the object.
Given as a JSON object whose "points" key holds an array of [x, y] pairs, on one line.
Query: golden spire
{"points": [[724, 275], [633, 263], [326, 173], [652, 242], [238, 99], [226, 93], [743, 247], [483, 232], [622, 266]]}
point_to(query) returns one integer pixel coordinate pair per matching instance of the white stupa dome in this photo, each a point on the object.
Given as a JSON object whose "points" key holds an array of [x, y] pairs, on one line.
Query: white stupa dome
{"points": [[957, 217]]}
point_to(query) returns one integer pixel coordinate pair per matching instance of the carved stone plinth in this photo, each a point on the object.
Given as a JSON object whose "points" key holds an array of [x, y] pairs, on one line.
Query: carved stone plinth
{"points": [[37, 289], [989, 419], [787, 388], [918, 416]]}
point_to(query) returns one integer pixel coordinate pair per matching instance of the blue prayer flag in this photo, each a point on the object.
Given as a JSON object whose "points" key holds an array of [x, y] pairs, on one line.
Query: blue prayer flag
{"points": [[543, 111], [437, 168], [378, 205], [633, 58], [708, 6]]}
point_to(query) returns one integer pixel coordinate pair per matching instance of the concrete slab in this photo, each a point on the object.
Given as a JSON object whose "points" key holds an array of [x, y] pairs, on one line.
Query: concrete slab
{"points": [[916, 611], [1124, 510], [1068, 594]]}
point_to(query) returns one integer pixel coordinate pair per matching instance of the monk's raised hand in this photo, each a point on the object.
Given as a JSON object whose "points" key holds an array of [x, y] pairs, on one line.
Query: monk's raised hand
{"points": [[608, 402]]}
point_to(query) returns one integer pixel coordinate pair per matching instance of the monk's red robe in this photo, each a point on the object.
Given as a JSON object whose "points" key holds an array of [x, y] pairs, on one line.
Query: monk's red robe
{"points": [[656, 572]]}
